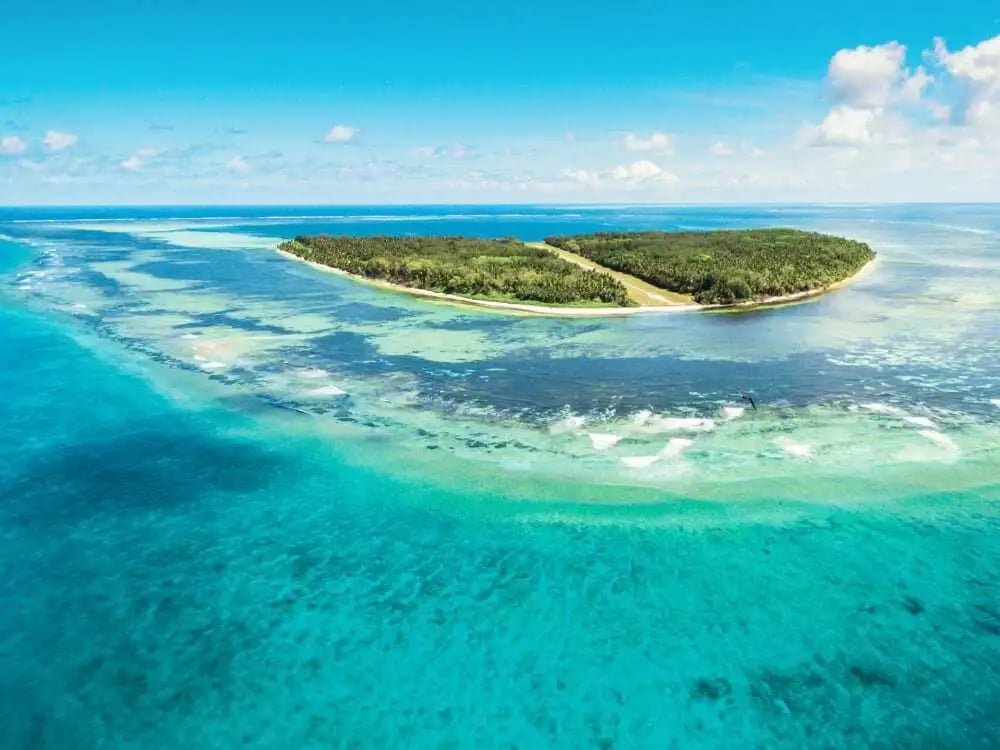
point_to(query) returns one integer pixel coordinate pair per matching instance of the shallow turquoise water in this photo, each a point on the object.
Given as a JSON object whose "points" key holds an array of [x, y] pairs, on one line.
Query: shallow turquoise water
{"points": [[205, 553]]}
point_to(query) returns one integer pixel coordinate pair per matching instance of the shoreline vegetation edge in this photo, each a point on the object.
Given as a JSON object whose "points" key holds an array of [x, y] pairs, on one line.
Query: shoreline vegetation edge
{"points": [[525, 308]]}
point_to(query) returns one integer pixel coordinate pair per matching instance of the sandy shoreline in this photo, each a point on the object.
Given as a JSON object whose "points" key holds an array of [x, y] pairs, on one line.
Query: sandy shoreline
{"points": [[583, 312]]}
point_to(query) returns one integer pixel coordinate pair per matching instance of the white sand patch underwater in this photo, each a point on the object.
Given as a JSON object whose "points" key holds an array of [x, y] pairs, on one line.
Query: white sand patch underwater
{"points": [[640, 462], [733, 412], [327, 390], [944, 449], [940, 439], [792, 448], [603, 440], [312, 373], [675, 447]]}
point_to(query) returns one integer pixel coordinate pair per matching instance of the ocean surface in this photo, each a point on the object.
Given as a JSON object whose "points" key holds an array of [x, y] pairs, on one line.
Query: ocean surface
{"points": [[245, 503]]}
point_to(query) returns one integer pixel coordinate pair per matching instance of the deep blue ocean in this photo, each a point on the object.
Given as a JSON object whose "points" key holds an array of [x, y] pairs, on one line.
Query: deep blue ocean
{"points": [[245, 503]]}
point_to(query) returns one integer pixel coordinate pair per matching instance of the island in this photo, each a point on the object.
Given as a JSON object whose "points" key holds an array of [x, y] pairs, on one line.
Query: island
{"points": [[727, 266], [602, 273], [499, 270]]}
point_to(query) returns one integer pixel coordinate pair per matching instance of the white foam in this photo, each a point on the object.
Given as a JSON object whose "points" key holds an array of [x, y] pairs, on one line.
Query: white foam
{"points": [[789, 446], [569, 424], [921, 422], [602, 440], [640, 462], [675, 447], [995, 402], [733, 412], [328, 390], [214, 365]]}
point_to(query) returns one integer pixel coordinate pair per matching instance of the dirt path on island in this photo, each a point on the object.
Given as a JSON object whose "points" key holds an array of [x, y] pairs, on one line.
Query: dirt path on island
{"points": [[641, 292]]}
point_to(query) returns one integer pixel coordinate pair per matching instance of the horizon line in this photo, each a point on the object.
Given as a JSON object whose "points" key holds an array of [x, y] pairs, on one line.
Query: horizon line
{"points": [[577, 204]]}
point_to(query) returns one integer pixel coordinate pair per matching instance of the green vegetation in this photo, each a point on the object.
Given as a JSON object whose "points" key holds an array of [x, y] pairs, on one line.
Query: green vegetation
{"points": [[503, 270], [724, 267]]}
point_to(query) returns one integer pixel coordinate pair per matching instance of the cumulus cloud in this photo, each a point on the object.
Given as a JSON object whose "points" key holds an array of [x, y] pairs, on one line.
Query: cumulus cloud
{"points": [[843, 126], [976, 69], [864, 83], [11, 145], [638, 172], [656, 142], [238, 164], [864, 77], [131, 164], [721, 148], [913, 87], [340, 134], [56, 140], [138, 160]]}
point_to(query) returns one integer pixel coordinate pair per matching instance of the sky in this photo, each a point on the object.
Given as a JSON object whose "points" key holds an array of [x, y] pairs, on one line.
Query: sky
{"points": [[548, 101]]}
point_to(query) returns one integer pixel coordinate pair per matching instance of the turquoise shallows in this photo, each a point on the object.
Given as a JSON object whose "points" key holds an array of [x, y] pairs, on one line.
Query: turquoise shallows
{"points": [[248, 504]]}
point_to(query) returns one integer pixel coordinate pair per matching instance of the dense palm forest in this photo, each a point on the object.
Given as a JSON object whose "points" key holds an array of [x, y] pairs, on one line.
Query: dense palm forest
{"points": [[493, 269], [725, 266]]}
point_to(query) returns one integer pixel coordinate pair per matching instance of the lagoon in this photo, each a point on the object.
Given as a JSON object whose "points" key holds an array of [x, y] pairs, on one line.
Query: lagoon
{"points": [[249, 503]]}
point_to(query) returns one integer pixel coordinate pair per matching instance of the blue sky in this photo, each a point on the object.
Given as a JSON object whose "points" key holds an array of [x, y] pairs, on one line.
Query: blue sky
{"points": [[192, 102]]}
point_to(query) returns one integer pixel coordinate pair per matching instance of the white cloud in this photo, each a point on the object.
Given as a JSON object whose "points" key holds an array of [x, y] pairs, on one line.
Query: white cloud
{"points": [[843, 126], [131, 164], [11, 145], [340, 134], [638, 172], [138, 160], [56, 140], [457, 151], [976, 68], [583, 176], [238, 164], [864, 77], [913, 87], [865, 83], [721, 148], [657, 142], [979, 63]]}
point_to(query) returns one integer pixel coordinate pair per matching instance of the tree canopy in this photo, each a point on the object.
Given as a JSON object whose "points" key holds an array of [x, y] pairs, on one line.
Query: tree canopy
{"points": [[723, 267], [505, 270]]}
